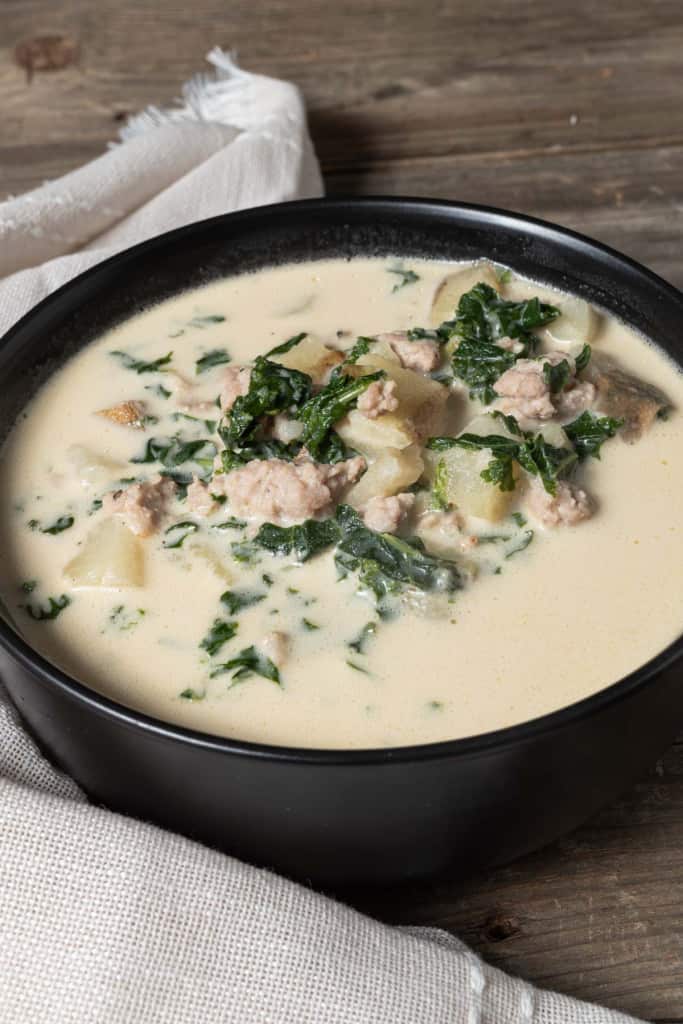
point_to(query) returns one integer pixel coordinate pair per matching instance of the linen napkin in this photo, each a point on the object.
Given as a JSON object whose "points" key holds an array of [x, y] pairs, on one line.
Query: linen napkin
{"points": [[107, 920]]}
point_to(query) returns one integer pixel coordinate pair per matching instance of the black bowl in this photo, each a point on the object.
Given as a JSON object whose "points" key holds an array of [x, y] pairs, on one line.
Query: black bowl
{"points": [[345, 816]]}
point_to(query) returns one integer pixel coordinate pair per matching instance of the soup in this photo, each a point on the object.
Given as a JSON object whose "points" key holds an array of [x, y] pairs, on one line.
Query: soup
{"points": [[350, 504]]}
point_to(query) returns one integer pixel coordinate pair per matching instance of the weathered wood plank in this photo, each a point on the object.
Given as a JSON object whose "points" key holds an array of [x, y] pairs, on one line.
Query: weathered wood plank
{"points": [[596, 915]]}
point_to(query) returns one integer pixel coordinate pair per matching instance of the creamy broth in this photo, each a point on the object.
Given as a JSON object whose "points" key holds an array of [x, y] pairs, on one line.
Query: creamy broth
{"points": [[565, 617]]}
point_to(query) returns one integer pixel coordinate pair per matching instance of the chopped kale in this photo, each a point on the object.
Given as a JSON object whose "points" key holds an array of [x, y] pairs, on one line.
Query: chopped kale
{"points": [[178, 532], [190, 694], [125, 620], [361, 348], [231, 523], [589, 432], [219, 634], [309, 626], [356, 667], [42, 613], [286, 346], [210, 425], [61, 524], [206, 320], [531, 451], [245, 551], [440, 486], [236, 600], [249, 661], [359, 642], [385, 564], [175, 452], [158, 390], [583, 358], [272, 389], [139, 365], [303, 541], [320, 413], [481, 320], [406, 276], [216, 357], [556, 375], [28, 586], [267, 579]]}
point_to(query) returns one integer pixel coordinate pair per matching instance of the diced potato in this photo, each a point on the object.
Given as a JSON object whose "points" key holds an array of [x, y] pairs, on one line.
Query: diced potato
{"points": [[575, 327], [453, 287], [367, 436], [460, 471], [111, 557], [421, 400], [554, 434], [310, 356], [93, 469], [391, 472]]}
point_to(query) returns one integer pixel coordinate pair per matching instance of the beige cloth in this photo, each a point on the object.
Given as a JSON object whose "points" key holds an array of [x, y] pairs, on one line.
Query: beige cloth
{"points": [[105, 920]]}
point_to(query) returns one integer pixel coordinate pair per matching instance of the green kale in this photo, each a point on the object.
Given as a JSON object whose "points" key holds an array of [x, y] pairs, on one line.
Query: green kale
{"points": [[139, 365], [286, 346], [309, 626], [158, 390], [440, 486], [190, 694], [174, 452], [61, 524], [361, 348], [385, 564], [589, 432], [216, 357], [231, 523], [481, 320], [583, 358], [272, 389], [209, 425], [206, 320], [219, 634], [177, 533], [303, 541], [28, 586], [236, 600], [556, 375], [41, 613], [320, 413], [407, 277], [249, 662], [245, 551]]}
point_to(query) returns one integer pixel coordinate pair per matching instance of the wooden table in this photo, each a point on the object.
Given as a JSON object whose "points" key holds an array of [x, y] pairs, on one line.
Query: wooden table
{"points": [[568, 111]]}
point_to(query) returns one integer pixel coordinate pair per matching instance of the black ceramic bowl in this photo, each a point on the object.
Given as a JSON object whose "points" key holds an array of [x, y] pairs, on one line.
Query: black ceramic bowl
{"points": [[345, 816]]}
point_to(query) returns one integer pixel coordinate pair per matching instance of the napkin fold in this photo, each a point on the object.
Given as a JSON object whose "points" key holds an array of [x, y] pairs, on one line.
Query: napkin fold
{"points": [[107, 920]]}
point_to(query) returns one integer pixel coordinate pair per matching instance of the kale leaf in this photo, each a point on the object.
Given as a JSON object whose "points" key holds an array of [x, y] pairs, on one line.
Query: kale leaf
{"points": [[407, 277], [556, 375], [139, 365], [219, 634], [583, 358], [174, 452], [589, 432], [386, 564], [361, 348], [178, 532], [248, 662], [236, 600], [482, 319], [272, 389], [303, 541], [286, 346], [360, 641], [41, 613], [63, 523], [216, 357], [321, 412]]}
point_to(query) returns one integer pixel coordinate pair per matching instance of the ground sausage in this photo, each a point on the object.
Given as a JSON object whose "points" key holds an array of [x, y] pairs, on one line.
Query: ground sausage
{"points": [[567, 507], [142, 506], [377, 398], [525, 392], [279, 491], [385, 515], [422, 355]]}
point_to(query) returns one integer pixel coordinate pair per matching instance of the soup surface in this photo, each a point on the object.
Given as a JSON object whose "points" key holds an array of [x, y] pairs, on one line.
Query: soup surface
{"points": [[136, 485]]}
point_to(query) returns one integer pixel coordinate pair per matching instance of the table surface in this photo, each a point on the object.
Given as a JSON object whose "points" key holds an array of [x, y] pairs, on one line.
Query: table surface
{"points": [[571, 112]]}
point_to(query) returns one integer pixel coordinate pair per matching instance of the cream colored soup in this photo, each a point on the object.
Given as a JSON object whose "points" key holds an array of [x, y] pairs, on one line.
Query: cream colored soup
{"points": [[569, 614]]}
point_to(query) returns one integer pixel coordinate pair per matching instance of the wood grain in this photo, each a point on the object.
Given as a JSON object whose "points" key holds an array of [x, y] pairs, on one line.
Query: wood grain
{"points": [[568, 111]]}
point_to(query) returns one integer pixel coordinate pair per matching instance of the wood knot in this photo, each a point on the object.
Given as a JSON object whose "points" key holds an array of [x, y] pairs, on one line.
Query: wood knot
{"points": [[45, 53], [499, 927]]}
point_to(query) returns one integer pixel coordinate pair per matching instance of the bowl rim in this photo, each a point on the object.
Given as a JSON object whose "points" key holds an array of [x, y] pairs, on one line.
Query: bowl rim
{"points": [[480, 744]]}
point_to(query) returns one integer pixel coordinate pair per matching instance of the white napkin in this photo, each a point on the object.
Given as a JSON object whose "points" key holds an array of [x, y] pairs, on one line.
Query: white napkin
{"points": [[105, 919]]}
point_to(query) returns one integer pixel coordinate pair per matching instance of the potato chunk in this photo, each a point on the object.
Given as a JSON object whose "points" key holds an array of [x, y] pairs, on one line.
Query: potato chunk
{"points": [[453, 287], [92, 468], [392, 471], [576, 325], [367, 436], [421, 400], [312, 357], [111, 557], [459, 474]]}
